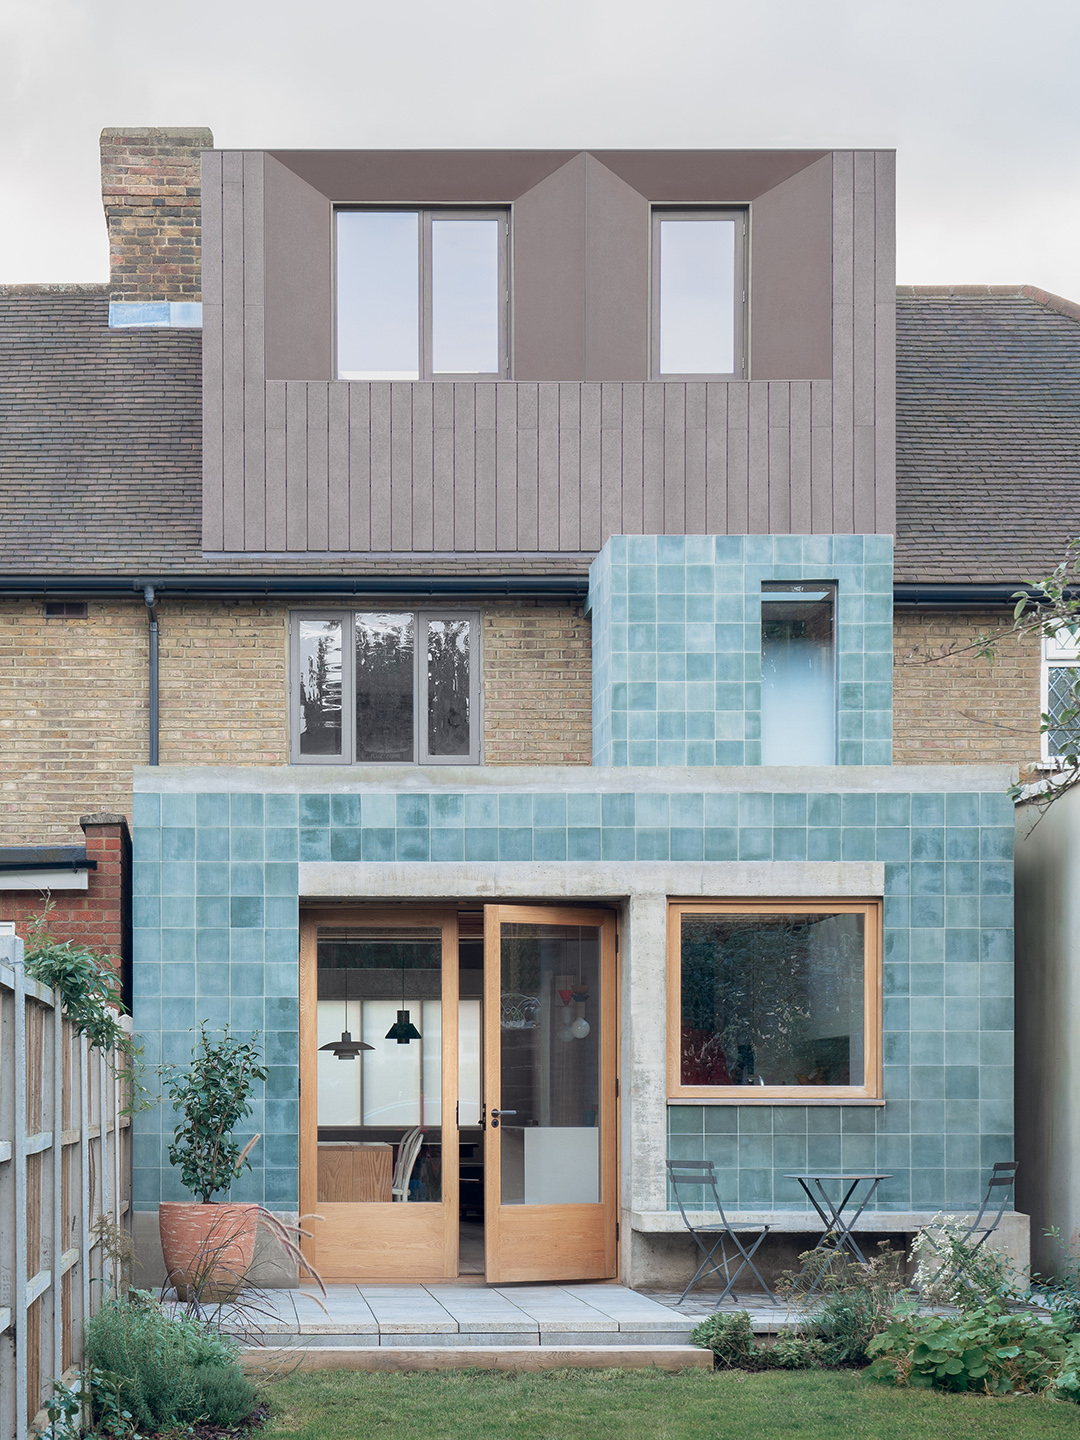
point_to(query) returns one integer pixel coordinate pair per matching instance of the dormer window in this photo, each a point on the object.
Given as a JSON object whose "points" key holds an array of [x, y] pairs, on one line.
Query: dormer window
{"points": [[699, 294], [421, 294]]}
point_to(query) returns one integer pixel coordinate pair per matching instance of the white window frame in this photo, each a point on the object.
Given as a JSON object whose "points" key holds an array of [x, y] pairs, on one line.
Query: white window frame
{"points": [[1060, 651], [347, 620], [424, 282]]}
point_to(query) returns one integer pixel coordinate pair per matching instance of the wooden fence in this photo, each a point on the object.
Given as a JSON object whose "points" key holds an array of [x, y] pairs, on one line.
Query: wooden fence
{"points": [[65, 1188]]}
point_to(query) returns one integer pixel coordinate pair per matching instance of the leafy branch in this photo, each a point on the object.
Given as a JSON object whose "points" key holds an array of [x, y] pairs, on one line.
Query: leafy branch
{"points": [[213, 1095]]}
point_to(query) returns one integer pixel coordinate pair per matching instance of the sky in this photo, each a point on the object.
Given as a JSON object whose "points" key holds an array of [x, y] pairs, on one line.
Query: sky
{"points": [[980, 99]]}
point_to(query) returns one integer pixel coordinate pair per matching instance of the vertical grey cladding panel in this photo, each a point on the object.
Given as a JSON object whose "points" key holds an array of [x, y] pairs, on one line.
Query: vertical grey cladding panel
{"points": [[506, 465], [821, 479], [589, 453], [213, 495], [380, 465], [211, 260], [338, 464], [863, 521], [738, 458], [275, 466], [442, 460], [865, 298], [359, 392], [885, 420], [318, 490], [652, 459], [232, 349], [528, 403], [843, 163], [401, 475], [296, 421], [485, 402], [611, 460], [802, 522], [716, 454], [694, 488], [422, 473], [843, 497], [299, 325], [569, 467], [790, 267], [616, 277], [547, 467], [843, 485], [757, 479], [674, 457], [779, 458], [254, 431], [464, 465], [633, 434]]}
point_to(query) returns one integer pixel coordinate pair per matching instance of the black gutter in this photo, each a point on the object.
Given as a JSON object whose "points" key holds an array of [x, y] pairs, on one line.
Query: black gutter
{"points": [[295, 587], [16, 865], [955, 597]]}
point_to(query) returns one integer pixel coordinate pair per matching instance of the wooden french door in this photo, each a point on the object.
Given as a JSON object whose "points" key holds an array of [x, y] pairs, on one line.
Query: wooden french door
{"points": [[378, 1128], [550, 1148]]}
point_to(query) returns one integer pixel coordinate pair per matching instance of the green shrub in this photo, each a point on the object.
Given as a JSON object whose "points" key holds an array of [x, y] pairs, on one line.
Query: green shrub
{"points": [[164, 1369], [1062, 1292], [731, 1339], [851, 1302], [986, 1350]]}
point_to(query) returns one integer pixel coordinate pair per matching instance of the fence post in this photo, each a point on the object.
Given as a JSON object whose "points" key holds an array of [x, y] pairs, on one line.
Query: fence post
{"points": [[18, 1162], [56, 1259]]}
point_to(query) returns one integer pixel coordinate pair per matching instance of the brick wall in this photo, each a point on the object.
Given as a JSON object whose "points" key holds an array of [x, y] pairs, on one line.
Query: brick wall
{"points": [[537, 684], [150, 188], [963, 710]]}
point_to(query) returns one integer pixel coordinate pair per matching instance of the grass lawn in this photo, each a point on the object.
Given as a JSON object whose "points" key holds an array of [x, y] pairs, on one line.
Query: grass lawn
{"points": [[642, 1405]]}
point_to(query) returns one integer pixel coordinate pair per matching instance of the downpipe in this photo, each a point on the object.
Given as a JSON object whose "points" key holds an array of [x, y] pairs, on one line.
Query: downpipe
{"points": [[151, 611]]}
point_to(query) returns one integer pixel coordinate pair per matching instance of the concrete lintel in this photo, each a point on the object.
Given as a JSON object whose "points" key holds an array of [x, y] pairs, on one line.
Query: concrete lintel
{"points": [[44, 880], [588, 779], [592, 880]]}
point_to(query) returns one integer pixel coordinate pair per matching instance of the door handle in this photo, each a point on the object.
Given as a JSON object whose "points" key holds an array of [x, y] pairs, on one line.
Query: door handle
{"points": [[495, 1117]]}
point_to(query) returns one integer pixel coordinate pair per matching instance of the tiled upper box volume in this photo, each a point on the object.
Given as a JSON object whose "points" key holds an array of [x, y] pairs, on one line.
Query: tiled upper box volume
{"points": [[216, 907], [677, 644]]}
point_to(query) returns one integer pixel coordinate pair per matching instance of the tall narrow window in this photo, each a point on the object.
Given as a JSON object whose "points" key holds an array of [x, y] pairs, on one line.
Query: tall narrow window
{"points": [[698, 293], [421, 294], [798, 674], [1061, 693], [385, 687]]}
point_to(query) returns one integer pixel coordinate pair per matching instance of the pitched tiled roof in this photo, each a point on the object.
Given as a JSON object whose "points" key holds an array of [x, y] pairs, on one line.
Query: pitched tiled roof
{"points": [[988, 432], [100, 444]]}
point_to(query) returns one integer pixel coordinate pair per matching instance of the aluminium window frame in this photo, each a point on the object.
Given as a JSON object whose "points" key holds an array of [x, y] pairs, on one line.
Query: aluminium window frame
{"points": [[871, 1089], [424, 288], [738, 213], [421, 616]]}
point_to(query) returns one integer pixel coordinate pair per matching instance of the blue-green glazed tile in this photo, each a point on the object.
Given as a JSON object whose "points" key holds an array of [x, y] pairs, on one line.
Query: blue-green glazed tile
{"points": [[894, 810], [281, 912], [212, 879], [996, 809], [995, 1013], [790, 844], [996, 911], [684, 1147], [413, 812], [687, 843], [857, 844], [961, 976], [177, 911], [245, 979], [281, 1152], [720, 844], [755, 1120], [314, 844], [685, 1120], [212, 946], [281, 811], [245, 911], [927, 1151], [583, 843], [823, 1120], [823, 844], [146, 810], [962, 810], [413, 844], [282, 844], [315, 812], [582, 810], [823, 810], [378, 845], [755, 811], [927, 1047], [246, 879], [996, 1082], [996, 975], [280, 1189], [515, 842], [789, 810], [447, 811], [178, 978], [346, 844], [962, 843], [928, 1188], [345, 811], [146, 912], [178, 843], [896, 1048], [280, 979], [721, 1120], [962, 877], [755, 843], [962, 947], [896, 979], [895, 1118], [789, 1120], [178, 810], [927, 912], [996, 844], [893, 843], [755, 1188], [652, 844], [858, 1154], [858, 1121], [894, 1152], [481, 842], [823, 1153], [549, 811], [755, 1151], [928, 1082], [687, 810], [617, 843], [997, 879], [927, 810], [246, 947], [617, 810], [927, 1012], [448, 843]]}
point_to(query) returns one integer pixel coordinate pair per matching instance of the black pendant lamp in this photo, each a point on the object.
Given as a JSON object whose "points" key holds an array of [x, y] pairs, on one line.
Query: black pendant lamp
{"points": [[346, 1048], [403, 1030]]}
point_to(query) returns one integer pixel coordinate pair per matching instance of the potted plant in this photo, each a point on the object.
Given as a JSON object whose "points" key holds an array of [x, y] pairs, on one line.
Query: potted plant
{"points": [[208, 1247]]}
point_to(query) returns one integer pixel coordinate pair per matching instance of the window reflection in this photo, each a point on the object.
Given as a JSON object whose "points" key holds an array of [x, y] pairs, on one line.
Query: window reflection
{"points": [[320, 687], [448, 687], [384, 688]]}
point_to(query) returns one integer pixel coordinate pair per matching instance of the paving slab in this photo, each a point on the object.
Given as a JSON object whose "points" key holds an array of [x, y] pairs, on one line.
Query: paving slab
{"points": [[259, 1360]]}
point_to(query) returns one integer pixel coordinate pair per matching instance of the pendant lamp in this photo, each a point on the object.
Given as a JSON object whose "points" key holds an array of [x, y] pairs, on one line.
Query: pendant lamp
{"points": [[403, 1030], [346, 1048]]}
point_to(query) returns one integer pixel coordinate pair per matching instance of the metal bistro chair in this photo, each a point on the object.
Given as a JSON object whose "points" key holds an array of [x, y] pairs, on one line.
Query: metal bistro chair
{"points": [[1002, 1179], [701, 1175]]}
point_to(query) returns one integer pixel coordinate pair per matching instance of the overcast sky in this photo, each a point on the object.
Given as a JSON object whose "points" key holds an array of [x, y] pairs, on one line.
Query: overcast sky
{"points": [[979, 97]]}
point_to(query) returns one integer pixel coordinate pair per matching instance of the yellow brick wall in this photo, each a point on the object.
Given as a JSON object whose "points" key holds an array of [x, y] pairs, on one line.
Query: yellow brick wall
{"points": [[963, 710], [537, 684], [74, 698]]}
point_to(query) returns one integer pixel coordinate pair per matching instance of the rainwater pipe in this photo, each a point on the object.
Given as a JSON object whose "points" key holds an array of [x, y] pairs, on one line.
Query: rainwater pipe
{"points": [[151, 611]]}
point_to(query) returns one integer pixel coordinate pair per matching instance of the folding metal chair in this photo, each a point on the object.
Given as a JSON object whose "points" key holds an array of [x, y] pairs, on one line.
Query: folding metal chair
{"points": [[1002, 1179], [701, 1175]]}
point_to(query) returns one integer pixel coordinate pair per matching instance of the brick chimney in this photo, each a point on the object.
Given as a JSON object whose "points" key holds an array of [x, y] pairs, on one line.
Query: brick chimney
{"points": [[150, 188]]}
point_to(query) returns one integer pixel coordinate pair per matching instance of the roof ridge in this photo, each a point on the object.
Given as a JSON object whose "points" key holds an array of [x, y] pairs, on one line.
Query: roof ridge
{"points": [[1046, 298], [66, 287]]}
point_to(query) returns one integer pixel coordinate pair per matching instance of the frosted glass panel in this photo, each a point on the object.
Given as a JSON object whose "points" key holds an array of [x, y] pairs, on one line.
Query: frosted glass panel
{"points": [[465, 297], [469, 1062], [431, 1052], [391, 1072], [339, 1081], [378, 294], [697, 297], [798, 686]]}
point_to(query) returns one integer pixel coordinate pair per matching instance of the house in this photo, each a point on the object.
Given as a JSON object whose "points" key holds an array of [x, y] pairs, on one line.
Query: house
{"points": [[510, 629]]}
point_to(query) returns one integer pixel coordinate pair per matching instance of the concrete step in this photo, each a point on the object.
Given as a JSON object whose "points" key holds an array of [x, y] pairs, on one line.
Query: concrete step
{"points": [[268, 1359]]}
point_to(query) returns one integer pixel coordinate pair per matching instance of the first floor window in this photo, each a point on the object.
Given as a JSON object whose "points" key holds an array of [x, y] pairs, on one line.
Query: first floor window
{"points": [[385, 687], [1060, 697], [699, 294], [798, 673], [774, 1000]]}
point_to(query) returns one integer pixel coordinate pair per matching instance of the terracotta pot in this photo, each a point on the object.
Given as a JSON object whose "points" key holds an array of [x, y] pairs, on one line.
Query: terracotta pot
{"points": [[208, 1249]]}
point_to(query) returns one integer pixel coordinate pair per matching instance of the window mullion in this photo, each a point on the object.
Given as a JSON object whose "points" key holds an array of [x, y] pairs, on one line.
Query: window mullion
{"points": [[348, 685], [420, 689], [425, 306]]}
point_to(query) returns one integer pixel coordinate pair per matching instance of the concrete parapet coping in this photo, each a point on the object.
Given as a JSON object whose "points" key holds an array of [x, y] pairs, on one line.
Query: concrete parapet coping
{"points": [[588, 779]]}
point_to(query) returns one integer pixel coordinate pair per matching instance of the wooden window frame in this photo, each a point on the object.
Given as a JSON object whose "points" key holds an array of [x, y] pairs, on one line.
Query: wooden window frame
{"points": [[871, 1089], [422, 615]]}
